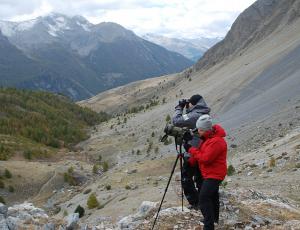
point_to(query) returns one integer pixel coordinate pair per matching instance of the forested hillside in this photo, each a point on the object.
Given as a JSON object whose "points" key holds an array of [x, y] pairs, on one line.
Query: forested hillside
{"points": [[41, 121]]}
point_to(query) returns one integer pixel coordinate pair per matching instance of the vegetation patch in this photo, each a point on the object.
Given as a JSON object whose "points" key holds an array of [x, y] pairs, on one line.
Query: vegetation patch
{"points": [[92, 201], [230, 170], [43, 119], [69, 177]]}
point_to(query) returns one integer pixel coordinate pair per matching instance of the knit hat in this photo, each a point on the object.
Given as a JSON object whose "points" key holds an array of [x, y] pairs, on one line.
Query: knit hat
{"points": [[204, 122], [194, 99]]}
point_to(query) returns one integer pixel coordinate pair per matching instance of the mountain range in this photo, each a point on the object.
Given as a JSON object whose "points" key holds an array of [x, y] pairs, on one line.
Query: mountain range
{"points": [[251, 82], [71, 56], [192, 49]]}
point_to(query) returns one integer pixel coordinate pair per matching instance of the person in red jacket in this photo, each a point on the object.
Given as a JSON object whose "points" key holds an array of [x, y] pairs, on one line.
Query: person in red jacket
{"points": [[211, 157]]}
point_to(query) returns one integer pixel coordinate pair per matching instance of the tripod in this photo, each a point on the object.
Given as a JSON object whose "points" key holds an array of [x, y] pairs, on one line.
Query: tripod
{"points": [[179, 156]]}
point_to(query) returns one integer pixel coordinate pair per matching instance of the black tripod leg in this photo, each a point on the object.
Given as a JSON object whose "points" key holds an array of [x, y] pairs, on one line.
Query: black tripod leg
{"points": [[166, 189], [181, 182]]}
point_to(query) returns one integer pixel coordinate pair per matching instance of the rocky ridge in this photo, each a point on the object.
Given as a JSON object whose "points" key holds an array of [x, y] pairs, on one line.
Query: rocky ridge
{"points": [[261, 19]]}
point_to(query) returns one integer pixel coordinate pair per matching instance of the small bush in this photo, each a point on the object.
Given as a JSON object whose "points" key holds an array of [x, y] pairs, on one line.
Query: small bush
{"points": [[152, 134], [168, 118], [138, 152], [92, 201], [156, 149], [149, 147], [272, 162], [108, 187], [105, 166], [27, 154], [95, 169], [127, 187], [2, 200], [230, 170], [7, 174], [80, 210], [224, 184], [70, 170], [11, 188], [69, 179]]}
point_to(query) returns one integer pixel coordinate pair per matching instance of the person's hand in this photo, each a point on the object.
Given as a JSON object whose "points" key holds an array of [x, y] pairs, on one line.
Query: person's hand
{"points": [[182, 103], [187, 146], [186, 156]]}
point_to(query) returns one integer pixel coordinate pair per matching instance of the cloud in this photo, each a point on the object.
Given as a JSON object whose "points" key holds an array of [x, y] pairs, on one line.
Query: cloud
{"points": [[176, 18]]}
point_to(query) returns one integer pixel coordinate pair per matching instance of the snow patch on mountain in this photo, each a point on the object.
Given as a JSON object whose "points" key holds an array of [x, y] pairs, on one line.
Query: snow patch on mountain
{"points": [[10, 28], [86, 27]]}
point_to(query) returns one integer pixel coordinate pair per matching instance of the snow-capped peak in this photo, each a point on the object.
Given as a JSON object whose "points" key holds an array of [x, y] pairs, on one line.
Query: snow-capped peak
{"points": [[10, 28]]}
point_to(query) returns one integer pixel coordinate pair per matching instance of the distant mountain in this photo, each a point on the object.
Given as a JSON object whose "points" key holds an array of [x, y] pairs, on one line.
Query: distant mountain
{"points": [[190, 48], [10, 57], [79, 59]]}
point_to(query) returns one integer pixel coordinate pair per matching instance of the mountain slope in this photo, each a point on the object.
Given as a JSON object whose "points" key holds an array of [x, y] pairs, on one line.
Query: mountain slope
{"points": [[42, 120], [255, 96], [254, 24], [80, 59], [10, 57]]}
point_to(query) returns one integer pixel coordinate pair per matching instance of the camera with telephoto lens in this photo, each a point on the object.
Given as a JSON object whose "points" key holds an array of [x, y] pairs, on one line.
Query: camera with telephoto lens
{"points": [[180, 134]]}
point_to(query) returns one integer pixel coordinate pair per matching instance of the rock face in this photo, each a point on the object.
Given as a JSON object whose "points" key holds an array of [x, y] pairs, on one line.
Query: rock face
{"points": [[72, 220], [132, 221], [254, 24], [26, 216]]}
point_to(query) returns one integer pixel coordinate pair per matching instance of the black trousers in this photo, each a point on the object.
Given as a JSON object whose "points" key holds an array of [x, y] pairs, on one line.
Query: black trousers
{"points": [[190, 177], [209, 202]]}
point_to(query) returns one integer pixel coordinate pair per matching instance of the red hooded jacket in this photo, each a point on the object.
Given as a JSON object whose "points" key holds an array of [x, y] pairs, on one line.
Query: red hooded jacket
{"points": [[211, 154]]}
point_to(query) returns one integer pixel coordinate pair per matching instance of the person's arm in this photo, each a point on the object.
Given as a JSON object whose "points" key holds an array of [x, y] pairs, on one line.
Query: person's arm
{"points": [[186, 120], [209, 155]]}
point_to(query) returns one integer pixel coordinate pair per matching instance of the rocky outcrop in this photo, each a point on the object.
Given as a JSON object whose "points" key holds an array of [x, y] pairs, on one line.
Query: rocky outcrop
{"points": [[255, 23], [132, 221], [240, 209], [26, 216]]}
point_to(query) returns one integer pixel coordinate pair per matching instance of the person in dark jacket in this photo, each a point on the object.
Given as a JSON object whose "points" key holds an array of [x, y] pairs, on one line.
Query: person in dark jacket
{"points": [[211, 157], [190, 171]]}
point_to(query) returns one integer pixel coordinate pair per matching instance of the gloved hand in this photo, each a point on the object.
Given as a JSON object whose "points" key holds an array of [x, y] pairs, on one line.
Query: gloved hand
{"points": [[186, 156], [182, 103], [187, 146]]}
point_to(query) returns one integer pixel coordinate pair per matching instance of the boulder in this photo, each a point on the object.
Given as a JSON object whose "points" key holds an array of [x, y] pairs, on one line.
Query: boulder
{"points": [[72, 221], [12, 223], [3, 224], [49, 226], [131, 221], [3, 209]]}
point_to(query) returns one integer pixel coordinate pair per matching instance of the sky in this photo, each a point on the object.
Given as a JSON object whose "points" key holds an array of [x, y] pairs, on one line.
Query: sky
{"points": [[172, 18]]}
